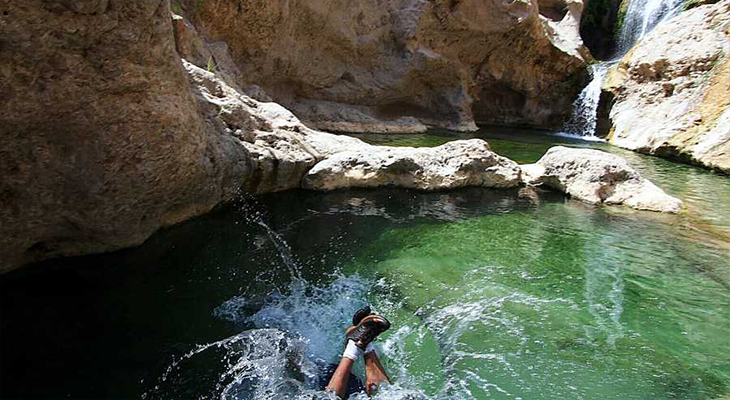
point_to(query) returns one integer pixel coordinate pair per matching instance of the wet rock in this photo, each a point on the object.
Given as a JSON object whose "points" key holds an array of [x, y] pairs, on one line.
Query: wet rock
{"points": [[672, 90], [597, 177], [455, 164]]}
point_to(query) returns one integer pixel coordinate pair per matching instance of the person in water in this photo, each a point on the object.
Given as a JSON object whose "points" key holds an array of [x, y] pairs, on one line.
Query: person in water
{"points": [[366, 326]]}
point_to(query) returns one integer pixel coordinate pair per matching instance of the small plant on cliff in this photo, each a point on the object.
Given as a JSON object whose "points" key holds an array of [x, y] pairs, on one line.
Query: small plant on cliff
{"points": [[211, 65]]}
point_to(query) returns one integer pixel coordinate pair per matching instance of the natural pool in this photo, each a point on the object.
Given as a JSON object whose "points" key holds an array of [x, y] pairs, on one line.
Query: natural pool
{"points": [[492, 294]]}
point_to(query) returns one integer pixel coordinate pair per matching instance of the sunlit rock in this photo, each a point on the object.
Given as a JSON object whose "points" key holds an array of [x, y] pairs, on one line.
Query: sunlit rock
{"points": [[455, 164], [598, 177], [672, 90]]}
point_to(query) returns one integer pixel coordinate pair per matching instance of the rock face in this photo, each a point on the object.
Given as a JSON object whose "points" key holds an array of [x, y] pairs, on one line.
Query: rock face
{"points": [[455, 164], [399, 65], [107, 135], [597, 177], [101, 143], [672, 91]]}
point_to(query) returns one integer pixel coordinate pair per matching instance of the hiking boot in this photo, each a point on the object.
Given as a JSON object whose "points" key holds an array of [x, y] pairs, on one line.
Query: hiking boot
{"points": [[367, 330], [360, 314]]}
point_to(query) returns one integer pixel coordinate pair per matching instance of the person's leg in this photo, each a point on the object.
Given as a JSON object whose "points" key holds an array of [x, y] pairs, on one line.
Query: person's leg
{"points": [[339, 380], [374, 372]]}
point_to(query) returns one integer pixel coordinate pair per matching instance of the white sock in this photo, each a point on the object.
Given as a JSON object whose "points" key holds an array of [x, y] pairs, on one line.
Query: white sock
{"points": [[352, 351], [369, 349]]}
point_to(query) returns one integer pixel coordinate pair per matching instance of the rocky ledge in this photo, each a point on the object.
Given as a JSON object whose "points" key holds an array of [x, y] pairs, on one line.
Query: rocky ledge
{"points": [[597, 177], [455, 164]]}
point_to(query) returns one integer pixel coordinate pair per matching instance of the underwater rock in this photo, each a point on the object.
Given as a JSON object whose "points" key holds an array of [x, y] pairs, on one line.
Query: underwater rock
{"points": [[672, 90], [598, 177], [454, 164]]}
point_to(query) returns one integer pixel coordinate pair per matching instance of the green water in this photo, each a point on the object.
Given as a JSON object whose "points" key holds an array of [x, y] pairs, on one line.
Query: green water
{"points": [[492, 294]]}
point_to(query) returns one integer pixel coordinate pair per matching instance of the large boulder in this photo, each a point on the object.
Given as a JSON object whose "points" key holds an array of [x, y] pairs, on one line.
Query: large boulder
{"points": [[106, 136], [399, 65], [672, 90], [597, 177], [101, 143], [454, 164]]}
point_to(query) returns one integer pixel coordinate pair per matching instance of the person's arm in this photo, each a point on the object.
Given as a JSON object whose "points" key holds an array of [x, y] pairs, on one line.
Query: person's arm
{"points": [[374, 372], [338, 382]]}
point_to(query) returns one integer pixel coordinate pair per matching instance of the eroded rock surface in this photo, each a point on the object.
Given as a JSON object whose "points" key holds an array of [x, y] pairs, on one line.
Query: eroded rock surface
{"points": [[101, 142], [454, 164], [598, 177], [672, 91], [398, 65]]}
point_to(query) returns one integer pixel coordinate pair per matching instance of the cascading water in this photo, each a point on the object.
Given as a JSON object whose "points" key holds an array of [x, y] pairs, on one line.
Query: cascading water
{"points": [[584, 119], [641, 17]]}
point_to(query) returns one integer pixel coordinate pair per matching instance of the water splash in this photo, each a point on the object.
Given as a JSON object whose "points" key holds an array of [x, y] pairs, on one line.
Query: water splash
{"points": [[585, 108], [253, 214]]}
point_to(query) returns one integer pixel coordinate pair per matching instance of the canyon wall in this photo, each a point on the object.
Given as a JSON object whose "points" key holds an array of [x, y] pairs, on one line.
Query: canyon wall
{"points": [[399, 65], [672, 90], [102, 143]]}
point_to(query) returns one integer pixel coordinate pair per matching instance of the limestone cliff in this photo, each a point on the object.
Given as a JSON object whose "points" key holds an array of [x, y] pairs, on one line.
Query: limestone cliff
{"points": [[100, 147], [672, 90], [399, 65]]}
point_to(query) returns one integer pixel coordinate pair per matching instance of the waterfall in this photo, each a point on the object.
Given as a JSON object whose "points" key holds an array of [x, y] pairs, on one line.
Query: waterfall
{"points": [[641, 17], [585, 117]]}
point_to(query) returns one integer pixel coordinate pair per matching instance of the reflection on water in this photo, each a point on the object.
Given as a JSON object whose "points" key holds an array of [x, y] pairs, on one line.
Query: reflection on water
{"points": [[492, 294]]}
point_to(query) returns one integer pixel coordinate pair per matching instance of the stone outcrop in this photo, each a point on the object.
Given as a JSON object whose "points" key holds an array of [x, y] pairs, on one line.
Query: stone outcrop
{"points": [[400, 65], [455, 164], [101, 142], [597, 177], [672, 90], [106, 136]]}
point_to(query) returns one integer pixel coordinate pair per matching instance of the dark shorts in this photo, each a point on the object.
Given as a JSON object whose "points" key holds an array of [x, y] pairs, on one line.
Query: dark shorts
{"points": [[354, 384]]}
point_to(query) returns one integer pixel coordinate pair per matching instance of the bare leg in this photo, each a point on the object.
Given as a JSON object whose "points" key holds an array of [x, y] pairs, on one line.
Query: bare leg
{"points": [[374, 372], [338, 382]]}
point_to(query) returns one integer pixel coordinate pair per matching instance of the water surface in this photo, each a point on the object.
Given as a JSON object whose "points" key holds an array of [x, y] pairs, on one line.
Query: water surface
{"points": [[509, 294]]}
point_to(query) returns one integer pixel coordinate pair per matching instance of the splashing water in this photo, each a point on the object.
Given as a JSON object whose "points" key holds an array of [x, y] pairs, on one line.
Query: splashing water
{"points": [[253, 214], [584, 119]]}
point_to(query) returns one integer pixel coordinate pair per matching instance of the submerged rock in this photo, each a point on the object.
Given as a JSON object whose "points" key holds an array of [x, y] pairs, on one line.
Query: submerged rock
{"points": [[598, 177], [454, 164], [672, 90]]}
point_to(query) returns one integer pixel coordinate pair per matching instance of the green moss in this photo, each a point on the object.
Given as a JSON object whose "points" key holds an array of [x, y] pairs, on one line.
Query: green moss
{"points": [[689, 4], [175, 7], [211, 65], [620, 18]]}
